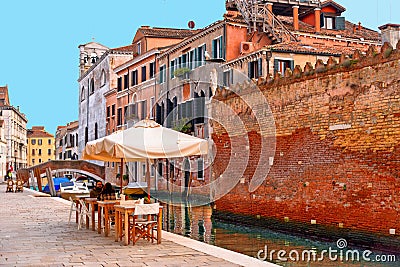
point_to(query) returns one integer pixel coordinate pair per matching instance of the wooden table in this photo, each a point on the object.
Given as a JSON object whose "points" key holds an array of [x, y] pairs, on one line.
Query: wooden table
{"points": [[92, 202], [128, 209], [103, 209], [119, 210]]}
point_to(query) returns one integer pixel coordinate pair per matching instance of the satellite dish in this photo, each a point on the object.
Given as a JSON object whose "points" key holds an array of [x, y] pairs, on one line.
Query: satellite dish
{"points": [[191, 24]]}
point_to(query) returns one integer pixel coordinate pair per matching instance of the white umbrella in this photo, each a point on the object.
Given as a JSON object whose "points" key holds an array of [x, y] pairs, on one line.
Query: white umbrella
{"points": [[145, 140]]}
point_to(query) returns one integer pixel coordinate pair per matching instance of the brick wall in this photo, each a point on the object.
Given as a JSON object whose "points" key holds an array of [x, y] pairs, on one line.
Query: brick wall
{"points": [[337, 158]]}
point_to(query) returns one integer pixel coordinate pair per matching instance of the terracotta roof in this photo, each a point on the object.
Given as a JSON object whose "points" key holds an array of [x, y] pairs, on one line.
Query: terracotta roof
{"points": [[296, 47], [128, 48], [37, 132], [4, 99], [351, 30], [333, 3], [166, 32]]}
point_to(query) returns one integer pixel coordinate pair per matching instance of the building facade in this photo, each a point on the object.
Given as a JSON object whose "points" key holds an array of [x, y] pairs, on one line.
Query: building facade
{"points": [[96, 78], [14, 131], [66, 141], [41, 146]]}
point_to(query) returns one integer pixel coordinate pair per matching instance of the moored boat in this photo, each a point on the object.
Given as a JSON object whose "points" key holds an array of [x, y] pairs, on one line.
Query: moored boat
{"points": [[74, 189]]}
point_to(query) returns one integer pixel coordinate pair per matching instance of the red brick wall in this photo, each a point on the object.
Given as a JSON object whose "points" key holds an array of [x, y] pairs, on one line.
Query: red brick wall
{"points": [[347, 176]]}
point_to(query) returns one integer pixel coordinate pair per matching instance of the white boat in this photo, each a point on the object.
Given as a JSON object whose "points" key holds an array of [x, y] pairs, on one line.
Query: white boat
{"points": [[74, 189]]}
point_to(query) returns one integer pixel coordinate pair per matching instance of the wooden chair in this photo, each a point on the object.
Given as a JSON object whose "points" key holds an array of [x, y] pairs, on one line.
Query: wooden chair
{"points": [[10, 186], [19, 186], [145, 221]]}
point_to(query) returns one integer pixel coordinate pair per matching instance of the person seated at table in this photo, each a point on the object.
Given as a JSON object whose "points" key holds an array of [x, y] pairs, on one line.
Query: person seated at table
{"points": [[95, 192], [108, 193]]}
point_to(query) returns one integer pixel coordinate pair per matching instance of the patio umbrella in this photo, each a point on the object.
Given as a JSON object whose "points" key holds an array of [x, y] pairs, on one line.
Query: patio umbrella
{"points": [[146, 140]]}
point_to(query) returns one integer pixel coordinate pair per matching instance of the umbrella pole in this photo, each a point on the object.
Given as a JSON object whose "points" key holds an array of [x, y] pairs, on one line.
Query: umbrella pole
{"points": [[148, 176], [122, 174]]}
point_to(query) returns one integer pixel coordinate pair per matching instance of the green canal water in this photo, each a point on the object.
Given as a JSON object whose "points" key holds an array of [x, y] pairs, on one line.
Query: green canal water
{"points": [[197, 223]]}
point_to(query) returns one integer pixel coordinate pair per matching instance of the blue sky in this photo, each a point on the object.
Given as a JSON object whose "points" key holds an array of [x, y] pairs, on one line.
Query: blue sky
{"points": [[39, 42]]}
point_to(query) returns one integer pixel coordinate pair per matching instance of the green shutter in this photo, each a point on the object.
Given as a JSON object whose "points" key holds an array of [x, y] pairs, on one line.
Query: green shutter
{"points": [[291, 64], [340, 23], [221, 50], [259, 66], [276, 65], [214, 48]]}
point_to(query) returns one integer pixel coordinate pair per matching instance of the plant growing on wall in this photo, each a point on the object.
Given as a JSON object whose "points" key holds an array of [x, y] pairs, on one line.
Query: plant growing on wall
{"points": [[183, 126], [181, 72]]}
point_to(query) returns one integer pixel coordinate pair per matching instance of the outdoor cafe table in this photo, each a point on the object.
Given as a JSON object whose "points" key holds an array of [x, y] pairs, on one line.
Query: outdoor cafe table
{"points": [[92, 202], [103, 210], [127, 209]]}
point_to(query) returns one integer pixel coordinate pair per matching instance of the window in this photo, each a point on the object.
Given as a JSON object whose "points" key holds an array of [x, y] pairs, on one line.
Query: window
{"points": [[280, 65], [192, 59], [33, 141], [152, 106], [217, 51], [126, 81], [172, 68], [162, 74], [86, 135], [144, 73], [91, 86], [113, 110], [40, 152], [152, 70], [119, 117], [200, 55], [160, 169], [119, 84], [83, 93], [255, 69], [49, 151], [60, 156], [33, 152], [49, 141], [144, 109], [103, 78], [200, 169], [39, 142], [33, 161], [96, 131], [139, 48], [134, 79], [108, 111], [40, 160], [228, 78]]}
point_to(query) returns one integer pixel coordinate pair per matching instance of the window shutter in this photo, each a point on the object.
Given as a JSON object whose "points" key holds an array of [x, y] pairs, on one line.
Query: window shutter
{"points": [[276, 65], [214, 48], [221, 48], [260, 70], [322, 20], [250, 70], [340, 23], [291, 64], [231, 76]]}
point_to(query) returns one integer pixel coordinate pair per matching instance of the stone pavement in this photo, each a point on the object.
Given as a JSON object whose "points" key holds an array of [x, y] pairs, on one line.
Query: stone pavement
{"points": [[35, 232]]}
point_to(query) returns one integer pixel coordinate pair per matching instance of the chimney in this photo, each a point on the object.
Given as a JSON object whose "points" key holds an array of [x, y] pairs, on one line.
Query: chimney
{"points": [[359, 26], [296, 18], [317, 13], [390, 33]]}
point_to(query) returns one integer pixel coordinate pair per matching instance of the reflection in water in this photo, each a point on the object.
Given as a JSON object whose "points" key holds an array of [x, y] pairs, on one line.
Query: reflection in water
{"points": [[196, 223]]}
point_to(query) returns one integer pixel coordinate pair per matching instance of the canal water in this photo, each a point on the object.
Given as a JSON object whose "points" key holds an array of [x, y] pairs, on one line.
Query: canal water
{"points": [[197, 223]]}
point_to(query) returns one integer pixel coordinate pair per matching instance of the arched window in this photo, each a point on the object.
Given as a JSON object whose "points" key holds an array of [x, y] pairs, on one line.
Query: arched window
{"points": [[91, 86], [95, 131], [83, 93], [103, 78]]}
